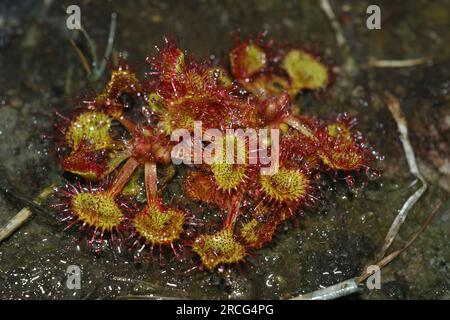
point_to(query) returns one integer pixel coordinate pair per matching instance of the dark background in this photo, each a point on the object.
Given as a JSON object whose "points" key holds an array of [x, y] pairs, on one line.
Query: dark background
{"points": [[40, 72]]}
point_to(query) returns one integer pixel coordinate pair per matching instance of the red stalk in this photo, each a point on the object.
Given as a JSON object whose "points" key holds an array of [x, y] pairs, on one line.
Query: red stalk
{"points": [[151, 181], [123, 176], [128, 124], [233, 212]]}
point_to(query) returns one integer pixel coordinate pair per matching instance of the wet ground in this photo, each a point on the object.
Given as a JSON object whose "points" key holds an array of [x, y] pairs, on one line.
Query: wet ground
{"points": [[40, 72]]}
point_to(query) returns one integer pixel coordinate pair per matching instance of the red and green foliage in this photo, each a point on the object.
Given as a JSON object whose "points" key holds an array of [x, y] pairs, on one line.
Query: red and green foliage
{"points": [[109, 140]]}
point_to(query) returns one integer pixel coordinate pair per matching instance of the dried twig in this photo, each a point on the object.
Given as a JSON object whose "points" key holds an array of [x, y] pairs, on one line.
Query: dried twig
{"points": [[386, 260], [340, 38], [109, 46], [350, 65], [375, 63], [96, 71], [82, 57], [353, 285], [339, 290], [23, 215], [394, 107]]}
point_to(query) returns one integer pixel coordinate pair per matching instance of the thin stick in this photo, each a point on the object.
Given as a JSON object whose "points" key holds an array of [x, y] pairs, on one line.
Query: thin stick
{"points": [[340, 38], [339, 290], [394, 107], [97, 70], [385, 261], [23, 215], [233, 211], [82, 57], [375, 63], [353, 285], [109, 46], [92, 48], [350, 64]]}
